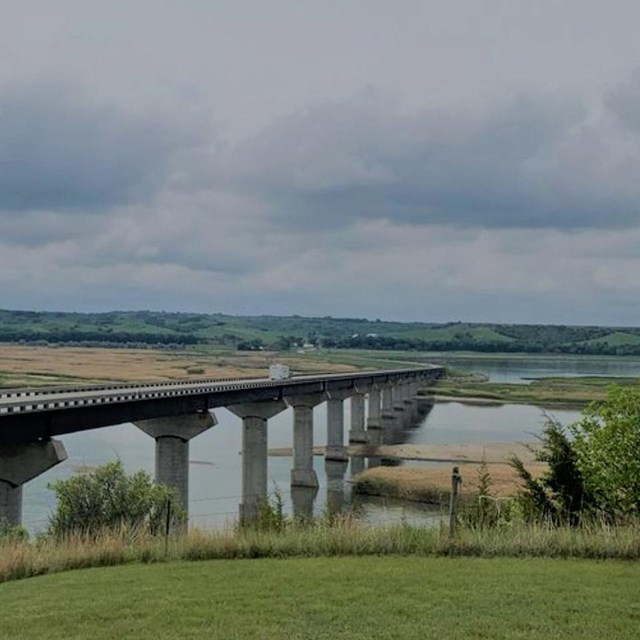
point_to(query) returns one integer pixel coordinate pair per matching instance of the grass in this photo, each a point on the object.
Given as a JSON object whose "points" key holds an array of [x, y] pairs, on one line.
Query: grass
{"points": [[355, 598], [332, 537], [24, 365], [569, 391], [433, 484]]}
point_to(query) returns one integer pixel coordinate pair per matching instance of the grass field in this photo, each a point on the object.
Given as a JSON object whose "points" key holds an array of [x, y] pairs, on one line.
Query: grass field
{"points": [[37, 366], [333, 598]]}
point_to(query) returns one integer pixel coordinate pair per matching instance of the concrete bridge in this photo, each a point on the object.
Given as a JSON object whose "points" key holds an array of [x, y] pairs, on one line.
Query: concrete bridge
{"points": [[173, 413]]}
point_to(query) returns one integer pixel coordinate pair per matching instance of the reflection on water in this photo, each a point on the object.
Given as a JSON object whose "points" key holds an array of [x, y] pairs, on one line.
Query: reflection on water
{"points": [[335, 472], [215, 472]]}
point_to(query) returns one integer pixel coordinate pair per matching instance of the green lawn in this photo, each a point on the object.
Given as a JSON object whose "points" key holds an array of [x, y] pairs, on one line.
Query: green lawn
{"points": [[335, 598]]}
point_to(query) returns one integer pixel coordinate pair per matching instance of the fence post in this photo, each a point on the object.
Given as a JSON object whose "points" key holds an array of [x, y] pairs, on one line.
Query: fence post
{"points": [[167, 528], [456, 481]]}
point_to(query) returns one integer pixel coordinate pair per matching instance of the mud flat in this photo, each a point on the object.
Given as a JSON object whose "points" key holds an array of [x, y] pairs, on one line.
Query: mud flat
{"points": [[492, 452]]}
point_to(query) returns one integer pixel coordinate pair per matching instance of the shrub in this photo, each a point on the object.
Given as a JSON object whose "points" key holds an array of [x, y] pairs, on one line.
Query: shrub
{"points": [[10, 533], [109, 499], [559, 495], [607, 446]]}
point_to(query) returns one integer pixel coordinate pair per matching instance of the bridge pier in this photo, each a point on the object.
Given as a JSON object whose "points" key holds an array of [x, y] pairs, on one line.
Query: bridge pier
{"points": [[20, 463], [335, 425], [172, 436], [302, 499], [303, 473], [357, 433], [374, 422], [410, 401], [398, 407], [387, 414], [254, 453]]}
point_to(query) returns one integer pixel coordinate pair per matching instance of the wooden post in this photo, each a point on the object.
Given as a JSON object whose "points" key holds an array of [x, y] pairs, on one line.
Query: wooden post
{"points": [[456, 481]]}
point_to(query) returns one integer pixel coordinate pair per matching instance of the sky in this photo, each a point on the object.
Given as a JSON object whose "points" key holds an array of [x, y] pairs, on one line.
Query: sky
{"points": [[474, 160]]}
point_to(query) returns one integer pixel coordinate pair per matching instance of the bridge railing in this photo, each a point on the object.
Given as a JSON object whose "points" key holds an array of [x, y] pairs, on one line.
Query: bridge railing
{"points": [[112, 394], [22, 392]]}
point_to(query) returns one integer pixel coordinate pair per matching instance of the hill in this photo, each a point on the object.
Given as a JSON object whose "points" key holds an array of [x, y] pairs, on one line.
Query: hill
{"points": [[140, 328]]}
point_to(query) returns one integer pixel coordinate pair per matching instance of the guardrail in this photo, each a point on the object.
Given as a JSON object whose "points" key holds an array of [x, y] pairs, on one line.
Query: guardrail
{"points": [[157, 390], [40, 391]]}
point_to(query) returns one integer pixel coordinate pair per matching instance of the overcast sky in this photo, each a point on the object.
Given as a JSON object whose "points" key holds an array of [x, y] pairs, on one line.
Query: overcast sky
{"points": [[413, 160]]}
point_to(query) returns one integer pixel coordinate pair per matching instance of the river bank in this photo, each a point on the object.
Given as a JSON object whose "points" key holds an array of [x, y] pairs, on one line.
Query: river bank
{"points": [[547, 392]]}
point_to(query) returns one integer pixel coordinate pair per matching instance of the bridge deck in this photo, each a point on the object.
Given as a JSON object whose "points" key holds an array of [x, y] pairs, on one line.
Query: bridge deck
{"points": [[27, 414]]}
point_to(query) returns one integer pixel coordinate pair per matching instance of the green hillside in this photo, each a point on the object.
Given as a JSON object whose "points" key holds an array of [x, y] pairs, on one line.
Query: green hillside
{"points": [[135, 328], [616, 339]]}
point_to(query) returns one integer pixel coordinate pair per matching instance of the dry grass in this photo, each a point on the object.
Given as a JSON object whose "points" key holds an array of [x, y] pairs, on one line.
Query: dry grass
{"points": [[32, 365], [338, 537], [433, 484]]}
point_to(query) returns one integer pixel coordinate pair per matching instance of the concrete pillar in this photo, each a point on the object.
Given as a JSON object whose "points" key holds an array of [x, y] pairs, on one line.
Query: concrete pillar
{"points": [[302, 473], [335, 425], [357, 433], [254, 453], [172, 435], [409, 405], [398, 406], [20, 463], [387, 414], [303, 499], [424, 401], [374, 422], [10, 504]]}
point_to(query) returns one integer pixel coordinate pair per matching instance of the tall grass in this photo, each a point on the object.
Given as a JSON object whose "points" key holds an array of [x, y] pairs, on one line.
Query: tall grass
{"points": [[341, 537]]}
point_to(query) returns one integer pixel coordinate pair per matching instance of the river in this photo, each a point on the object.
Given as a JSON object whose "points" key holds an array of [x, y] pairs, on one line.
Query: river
{"points": [[215, 470]]}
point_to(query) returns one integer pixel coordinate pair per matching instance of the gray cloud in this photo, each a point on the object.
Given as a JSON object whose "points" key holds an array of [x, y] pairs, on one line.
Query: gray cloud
{"points": [[532, 164], [60, 151]]}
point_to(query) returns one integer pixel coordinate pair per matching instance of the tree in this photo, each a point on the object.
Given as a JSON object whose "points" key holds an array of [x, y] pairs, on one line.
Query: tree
{"points": [[108, 499], [594, 468], [559, 494], [607, 446]]}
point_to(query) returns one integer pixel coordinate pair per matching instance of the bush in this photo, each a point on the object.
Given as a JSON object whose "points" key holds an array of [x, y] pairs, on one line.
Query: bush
{"points": [[10, 533], [482, 509], [594, 474], [559, 495], [109, 499], [607, 447]]}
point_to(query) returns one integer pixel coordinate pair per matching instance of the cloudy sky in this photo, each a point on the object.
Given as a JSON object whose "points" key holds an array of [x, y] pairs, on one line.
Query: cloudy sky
{"points": [[415, 160]]}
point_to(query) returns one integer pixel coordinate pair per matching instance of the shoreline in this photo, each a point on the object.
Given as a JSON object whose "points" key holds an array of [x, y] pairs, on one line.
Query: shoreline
{"points": [[488, 402]]}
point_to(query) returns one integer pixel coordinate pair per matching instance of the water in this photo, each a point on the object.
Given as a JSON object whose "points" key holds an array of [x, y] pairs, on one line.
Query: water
{"points": [[520, 369], [215, 470]]}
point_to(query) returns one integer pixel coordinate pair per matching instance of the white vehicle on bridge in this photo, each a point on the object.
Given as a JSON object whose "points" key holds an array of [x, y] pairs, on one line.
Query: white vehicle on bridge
{"points": [[279, 372]]}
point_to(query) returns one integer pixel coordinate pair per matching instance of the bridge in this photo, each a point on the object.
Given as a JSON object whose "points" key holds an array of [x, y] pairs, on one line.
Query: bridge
{"points": [[173, 413]]}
